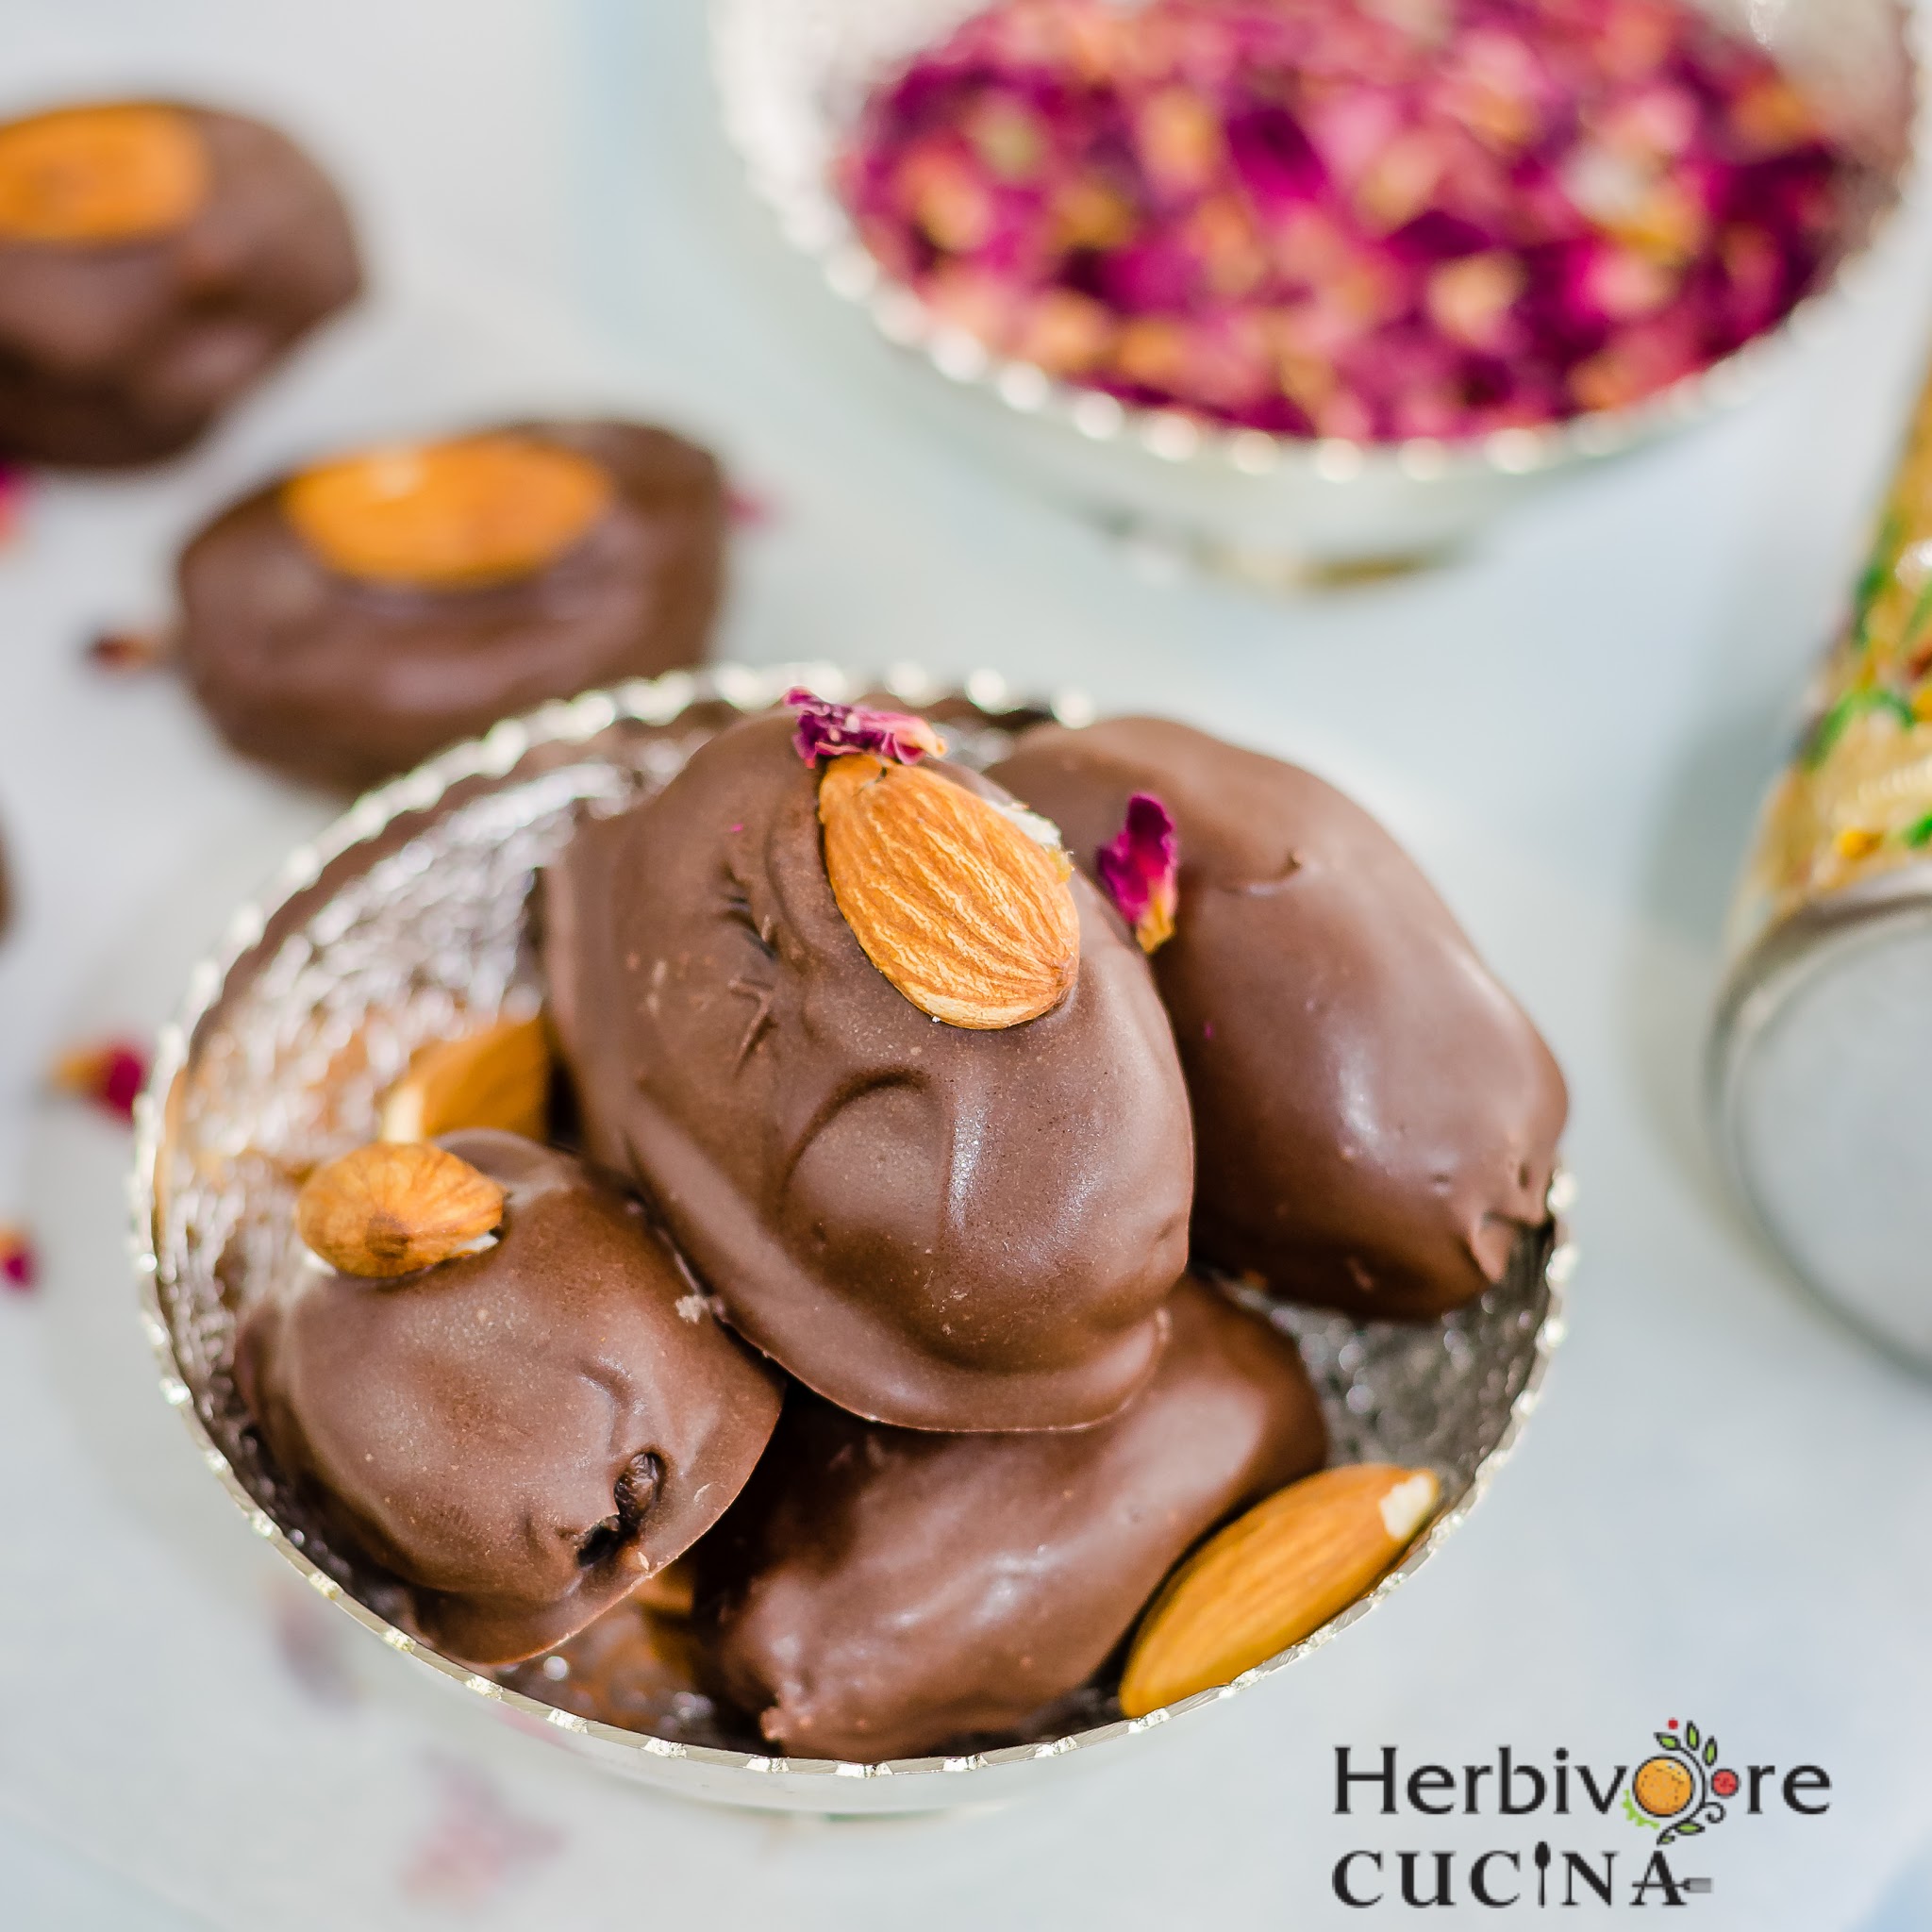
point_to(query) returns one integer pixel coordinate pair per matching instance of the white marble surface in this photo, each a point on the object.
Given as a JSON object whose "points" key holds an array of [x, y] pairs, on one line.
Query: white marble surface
{"points": [[1717, 1515]]}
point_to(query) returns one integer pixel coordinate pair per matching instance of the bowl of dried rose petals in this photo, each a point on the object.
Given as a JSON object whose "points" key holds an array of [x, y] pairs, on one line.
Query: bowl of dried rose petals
{"points": [[1306, 286]]}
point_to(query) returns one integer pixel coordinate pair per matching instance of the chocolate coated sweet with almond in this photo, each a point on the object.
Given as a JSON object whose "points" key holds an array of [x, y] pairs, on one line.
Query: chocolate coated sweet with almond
{"points": [[1376, 1119], [931, 1225], [881, 1594], [121, 339], [345, 680], [521, 1434]]}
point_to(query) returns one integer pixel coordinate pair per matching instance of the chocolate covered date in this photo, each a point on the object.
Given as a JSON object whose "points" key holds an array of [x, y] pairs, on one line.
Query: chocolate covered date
{"points": [[1376, 1119], [881, 1594], [155, 260], [345, 622], [892, 1078], [522, 1431]]}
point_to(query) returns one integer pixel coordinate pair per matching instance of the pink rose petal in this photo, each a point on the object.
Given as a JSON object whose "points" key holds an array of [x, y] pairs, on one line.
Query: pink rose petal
{"points": [[1140, 871], [20, 1260], [125, 653], [478, 1843], [108, 1073], [1345, 217], [13, 491], [827, 730]]}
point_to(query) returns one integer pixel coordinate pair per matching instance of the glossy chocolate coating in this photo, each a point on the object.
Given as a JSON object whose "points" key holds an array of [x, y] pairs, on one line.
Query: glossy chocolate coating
{"points": [[932, 1226], [521, 1434], [346, 683], [881, 1594], [125, 352], [1376, 1118]]}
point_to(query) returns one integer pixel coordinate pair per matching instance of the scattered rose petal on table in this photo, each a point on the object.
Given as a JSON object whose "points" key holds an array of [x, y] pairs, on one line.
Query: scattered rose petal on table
{"points": [[477, 1843], [309, 1639], [20, 1260], [750, 510], [126, 653], [13, 494], [110, 1072]]}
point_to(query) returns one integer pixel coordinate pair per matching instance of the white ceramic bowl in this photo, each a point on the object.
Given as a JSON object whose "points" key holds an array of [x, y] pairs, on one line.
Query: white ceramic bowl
{"points": [[404, 921], [1279, 510]]}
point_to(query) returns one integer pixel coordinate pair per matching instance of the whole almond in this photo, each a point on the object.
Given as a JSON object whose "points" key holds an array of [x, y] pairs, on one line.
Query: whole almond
{"points": [[1273, 1578], [954, 900], [392, 1207], [476, 509], [496, 1078], [100, 174]]}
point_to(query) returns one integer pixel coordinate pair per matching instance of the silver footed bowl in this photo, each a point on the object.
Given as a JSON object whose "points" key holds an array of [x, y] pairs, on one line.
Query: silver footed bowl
{"points": [[1280, 512], [405, 922]]}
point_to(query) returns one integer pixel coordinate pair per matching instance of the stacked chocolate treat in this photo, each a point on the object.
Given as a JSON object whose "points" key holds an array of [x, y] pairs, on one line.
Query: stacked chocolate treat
{"points": [[155, 260], [345, 622], [865, 1365], [348, 618]]}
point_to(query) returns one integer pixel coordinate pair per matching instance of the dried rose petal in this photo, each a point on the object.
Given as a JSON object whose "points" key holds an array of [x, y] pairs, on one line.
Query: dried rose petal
{"points": [[478, 1843], [748, 509], [309, 1641], [13, 486], [108, 1073], [1349, 219], [20, 1260], [1139, 870], [827, 730], [125, 652]]}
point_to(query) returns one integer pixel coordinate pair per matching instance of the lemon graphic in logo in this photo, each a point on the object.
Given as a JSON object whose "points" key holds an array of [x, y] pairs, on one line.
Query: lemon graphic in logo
{"points": [[1663, 1786]]}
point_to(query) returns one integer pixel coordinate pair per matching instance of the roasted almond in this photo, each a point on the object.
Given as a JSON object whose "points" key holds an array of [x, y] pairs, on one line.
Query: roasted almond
{"points": [[496, 1078], [961, 907], [392, 1207], [93, 175], [480, 509], [1273, 1578]]}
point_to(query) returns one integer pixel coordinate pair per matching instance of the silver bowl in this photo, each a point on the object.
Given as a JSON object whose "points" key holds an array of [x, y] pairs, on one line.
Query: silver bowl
{"points": [[1279, 510], [404, 921]]}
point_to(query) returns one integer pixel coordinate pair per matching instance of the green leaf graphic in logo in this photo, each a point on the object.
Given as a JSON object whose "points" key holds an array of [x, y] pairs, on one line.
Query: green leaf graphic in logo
{"points": [[1682, 1792], [1635, 1816]]}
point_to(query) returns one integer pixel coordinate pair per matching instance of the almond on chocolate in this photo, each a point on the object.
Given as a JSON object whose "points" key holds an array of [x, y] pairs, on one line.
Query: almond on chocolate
{"points": [[881, 1594], [156, 260], [966, 1222], [522, 1434], [345, 623]]}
